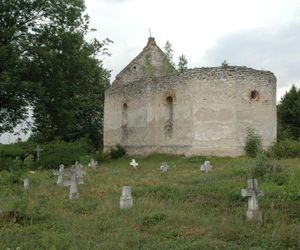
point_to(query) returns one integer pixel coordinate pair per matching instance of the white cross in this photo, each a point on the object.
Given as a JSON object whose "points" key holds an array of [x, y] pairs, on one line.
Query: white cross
{"points": [[38, 150], [134, 163]]}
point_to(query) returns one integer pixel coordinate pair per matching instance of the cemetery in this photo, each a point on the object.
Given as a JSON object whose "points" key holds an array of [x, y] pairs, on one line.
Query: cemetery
{"points": [[149, 152], [168, 202]]}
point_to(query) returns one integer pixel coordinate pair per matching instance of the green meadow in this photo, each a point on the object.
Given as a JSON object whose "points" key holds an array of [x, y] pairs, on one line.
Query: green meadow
{"points": [[181, 209]]}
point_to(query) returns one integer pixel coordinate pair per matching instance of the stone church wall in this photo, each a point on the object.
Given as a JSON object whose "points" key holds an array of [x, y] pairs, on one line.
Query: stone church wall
{"points": [[200, 111]]}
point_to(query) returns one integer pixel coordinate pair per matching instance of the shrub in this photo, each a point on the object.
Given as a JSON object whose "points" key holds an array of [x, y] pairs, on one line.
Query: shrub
{"points": [[286, 149], [53, 154], [153, 218], [117, 152], [253, 143], [58, 152], [262, 166]]}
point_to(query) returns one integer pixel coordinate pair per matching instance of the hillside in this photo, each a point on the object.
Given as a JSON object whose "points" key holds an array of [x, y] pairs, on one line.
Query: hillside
{"points": [[181, 209]]}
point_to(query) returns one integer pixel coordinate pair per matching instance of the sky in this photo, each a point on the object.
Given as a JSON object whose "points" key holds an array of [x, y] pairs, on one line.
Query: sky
{"points": [[261, 34]]}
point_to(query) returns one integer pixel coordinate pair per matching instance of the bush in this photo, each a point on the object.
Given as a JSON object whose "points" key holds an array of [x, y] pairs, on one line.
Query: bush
{"points": [[253, 143], [153, 218], [286, 149], [53, 154], [117, 152], [58, 152]]}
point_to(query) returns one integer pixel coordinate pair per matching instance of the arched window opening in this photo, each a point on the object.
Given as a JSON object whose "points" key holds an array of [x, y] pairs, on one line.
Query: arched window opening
{"points": [[170, 113], [254, 95], [124, 116]]}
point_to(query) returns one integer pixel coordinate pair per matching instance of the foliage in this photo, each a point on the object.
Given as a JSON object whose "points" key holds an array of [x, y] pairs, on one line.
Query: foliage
{"points": [[225, 64], [21, 156], [262, 166], [285, 149], [253, 143], [153, 218], [289, 113], [117, 152], [17, 17], [59, 152], [182, 64], [50, 66], [147, 67], [169, 64]]}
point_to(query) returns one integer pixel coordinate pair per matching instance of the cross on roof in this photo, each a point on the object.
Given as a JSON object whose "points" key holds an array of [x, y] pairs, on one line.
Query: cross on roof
{"points": [[134, 163]]}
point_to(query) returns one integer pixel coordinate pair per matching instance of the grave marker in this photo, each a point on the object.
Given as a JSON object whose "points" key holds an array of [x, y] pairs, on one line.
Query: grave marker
{"points": [[126, 200], [206, 167], [164, 167], [133, 163], [26, 183], [93, 164], [252, 193]]}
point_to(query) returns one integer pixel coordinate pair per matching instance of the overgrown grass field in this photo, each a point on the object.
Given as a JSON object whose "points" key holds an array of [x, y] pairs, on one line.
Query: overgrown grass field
{"points": [[181, 209]]}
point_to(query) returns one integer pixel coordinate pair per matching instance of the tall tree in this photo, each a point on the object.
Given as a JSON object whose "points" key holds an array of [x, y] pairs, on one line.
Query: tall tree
{"points": [[69, 79], [289, 113], [69, 104], [182, 63], [17, 18], [168, 50]]}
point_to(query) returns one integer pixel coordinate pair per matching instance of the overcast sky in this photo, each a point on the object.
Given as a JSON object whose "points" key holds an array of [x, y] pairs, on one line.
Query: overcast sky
{"points": [[262, 34]]}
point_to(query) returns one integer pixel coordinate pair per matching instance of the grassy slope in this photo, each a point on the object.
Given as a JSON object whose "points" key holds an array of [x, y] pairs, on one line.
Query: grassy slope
{"points": [[181, 209]]}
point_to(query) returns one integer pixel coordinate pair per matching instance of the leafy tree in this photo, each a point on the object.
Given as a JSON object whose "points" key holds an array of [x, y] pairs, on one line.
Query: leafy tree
{"points": [[169, 64], [63, 79], [182, 64], [225, 64], [69, 104], [17, 18], [289, 113]]}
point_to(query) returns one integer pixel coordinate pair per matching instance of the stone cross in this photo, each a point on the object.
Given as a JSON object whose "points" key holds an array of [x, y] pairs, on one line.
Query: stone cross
{"points": [[134, 163], [26, 183], [73, 185], [126, 200], [252, 193], [164, 167], [80, 172], [206, 167], [38, 150], [93, 164], [60, 174]]}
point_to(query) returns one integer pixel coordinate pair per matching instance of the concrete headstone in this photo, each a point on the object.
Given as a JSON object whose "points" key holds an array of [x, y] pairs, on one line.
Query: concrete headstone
{"points": [[26, 183], [164, 167], [133, 163], [93, 164], [206, 167], [252, 193], [126, 200]]}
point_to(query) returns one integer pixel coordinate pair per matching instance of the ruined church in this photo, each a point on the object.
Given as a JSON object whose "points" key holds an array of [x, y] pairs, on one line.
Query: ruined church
{"points": [[152, 108]]}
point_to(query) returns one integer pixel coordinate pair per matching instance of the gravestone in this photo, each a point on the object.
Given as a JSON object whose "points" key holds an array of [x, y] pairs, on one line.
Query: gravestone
{"points": [[252, 193], [126, 200], [72, 183], [38, 151], [26, 183], [133, 163], [60, 174], [206, 167], [80, 172], [164, 167], [93, 164]]}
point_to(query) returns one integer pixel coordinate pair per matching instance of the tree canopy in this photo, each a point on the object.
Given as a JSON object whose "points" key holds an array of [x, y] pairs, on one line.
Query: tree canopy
{"points": [[289, 113], [52, 68]]}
